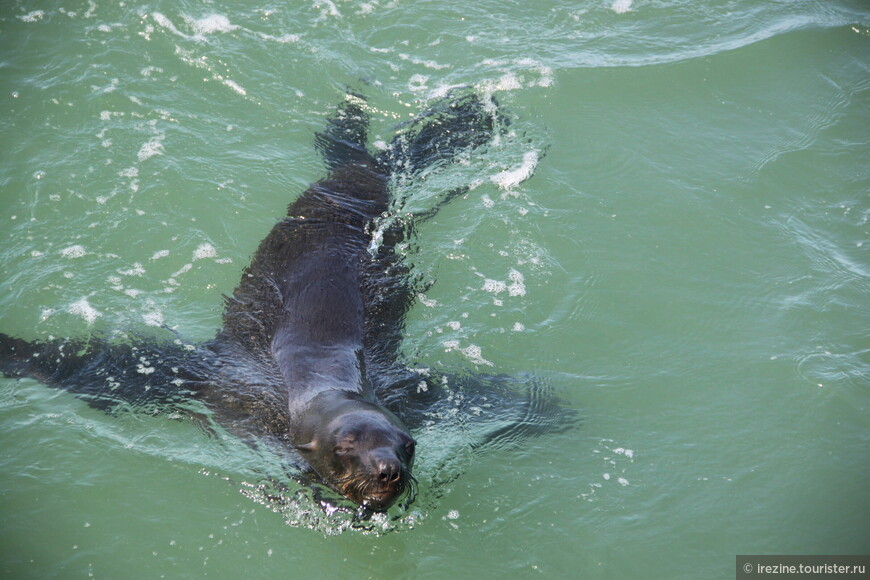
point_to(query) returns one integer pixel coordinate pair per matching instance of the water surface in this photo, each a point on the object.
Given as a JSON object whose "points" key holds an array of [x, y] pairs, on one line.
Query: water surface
{"points": [[686, 264]]}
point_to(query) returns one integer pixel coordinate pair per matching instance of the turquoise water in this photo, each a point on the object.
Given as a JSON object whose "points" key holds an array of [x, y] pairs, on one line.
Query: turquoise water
{"points": [[687, 265]]}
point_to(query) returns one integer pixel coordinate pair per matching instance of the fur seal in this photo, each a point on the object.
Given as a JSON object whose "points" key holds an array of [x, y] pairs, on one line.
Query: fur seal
{"points": [[307, 359]]}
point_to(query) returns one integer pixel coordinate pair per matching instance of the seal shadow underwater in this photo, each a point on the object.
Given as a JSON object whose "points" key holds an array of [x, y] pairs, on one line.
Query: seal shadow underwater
{"points": [[308, 359]]}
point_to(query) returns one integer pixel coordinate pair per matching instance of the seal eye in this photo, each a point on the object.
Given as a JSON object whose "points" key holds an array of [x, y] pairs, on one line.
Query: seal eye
{"points": [[344, 446], [409, 448]]}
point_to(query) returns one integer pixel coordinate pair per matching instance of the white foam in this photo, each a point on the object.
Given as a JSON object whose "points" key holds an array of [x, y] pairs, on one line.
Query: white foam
{"points": [[494, 286], [327, 8], [85, 310], [34, 16], [509, 82], [283, 39], [545, 72], [76, 251], [546, 79], [145, 370], [165, 23], [621, 6], [212, 23], [427, 63], [427, 302], [160, 254], [204, 251], [136, 270], [534, 74], [518, 288], [518, 327], [474, 353], [150, 149], [513, 177], [444, 90], [153, 318], [417, 82], [201, 26]]}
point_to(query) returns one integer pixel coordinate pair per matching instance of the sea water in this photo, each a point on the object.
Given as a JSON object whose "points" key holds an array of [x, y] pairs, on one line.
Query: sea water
{"points": [[673, 236]]}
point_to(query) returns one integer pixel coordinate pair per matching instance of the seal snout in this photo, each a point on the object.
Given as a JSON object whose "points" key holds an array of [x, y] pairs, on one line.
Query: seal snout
{"points": [[387, 467], [389, 470], [388, 478]]}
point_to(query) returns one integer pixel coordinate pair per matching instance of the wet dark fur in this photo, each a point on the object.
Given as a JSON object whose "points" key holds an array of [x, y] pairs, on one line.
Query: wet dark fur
{"points": [[316, 311]]}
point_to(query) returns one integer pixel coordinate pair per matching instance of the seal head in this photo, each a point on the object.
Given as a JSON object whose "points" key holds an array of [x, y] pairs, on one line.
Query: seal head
{"points": [[358, 448]]}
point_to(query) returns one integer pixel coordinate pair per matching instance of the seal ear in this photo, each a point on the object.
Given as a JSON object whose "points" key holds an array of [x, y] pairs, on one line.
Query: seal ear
{"points": [[312, 446]]}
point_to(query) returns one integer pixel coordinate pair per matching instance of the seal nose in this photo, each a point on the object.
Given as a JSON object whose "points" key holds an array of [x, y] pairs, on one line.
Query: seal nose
{"points": [[389, 471]]}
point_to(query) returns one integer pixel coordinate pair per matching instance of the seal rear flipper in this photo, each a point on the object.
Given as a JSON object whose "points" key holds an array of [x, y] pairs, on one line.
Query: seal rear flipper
{"points": [[344, 140], [450, 126], [107, 375]]}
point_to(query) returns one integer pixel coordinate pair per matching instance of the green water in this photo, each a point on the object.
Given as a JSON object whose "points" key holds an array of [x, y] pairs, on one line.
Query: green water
{"points": [[689, 266]]}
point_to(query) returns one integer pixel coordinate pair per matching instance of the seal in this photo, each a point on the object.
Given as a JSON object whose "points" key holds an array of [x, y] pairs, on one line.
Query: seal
{"points": [[310, 337], [300, 311]]}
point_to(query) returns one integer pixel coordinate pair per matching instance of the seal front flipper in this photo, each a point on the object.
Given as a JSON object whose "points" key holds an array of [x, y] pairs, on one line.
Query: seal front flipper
{"points": [[491, 411], [508, 410], [107, 375]]}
